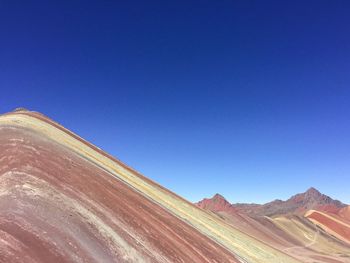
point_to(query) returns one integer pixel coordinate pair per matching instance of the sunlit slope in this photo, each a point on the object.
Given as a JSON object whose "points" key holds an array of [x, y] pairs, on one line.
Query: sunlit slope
{"points": [[56, 206], [310, 242], [247, 248], [293, 235], [345, 213], [331, 223]]}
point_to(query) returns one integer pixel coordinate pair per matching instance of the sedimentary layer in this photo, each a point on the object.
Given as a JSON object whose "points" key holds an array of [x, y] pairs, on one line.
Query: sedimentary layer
{"points": [[65, 200]]}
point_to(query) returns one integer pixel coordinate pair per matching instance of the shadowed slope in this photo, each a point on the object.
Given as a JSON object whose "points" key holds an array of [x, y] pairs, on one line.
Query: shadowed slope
{"points": [[71, 202]]}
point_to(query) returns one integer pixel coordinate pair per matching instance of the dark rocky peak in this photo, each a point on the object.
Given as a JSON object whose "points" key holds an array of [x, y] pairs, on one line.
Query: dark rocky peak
{"points": [[20, 109], [312, 195], [218, 197], [216, 204], [313, 192]]}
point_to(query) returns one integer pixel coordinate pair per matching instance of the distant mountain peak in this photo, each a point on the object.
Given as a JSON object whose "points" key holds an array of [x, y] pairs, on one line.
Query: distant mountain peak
{"points": [[218, 197], [217, 203], [313, 191], [311, 197], [299, 203]]}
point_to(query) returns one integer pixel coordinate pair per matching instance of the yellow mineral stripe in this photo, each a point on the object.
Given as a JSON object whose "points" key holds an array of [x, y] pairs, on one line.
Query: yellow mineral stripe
{"points": [[239, 243]]}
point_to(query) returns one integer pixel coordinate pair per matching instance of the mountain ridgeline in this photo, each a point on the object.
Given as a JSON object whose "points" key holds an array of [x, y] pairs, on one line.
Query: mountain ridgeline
{"points": [[299, 203], [309, 226]]}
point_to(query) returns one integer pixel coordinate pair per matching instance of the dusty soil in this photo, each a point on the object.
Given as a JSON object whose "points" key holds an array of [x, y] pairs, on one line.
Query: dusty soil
{"points": [[332, 224], [241, 245], [56, 206]]}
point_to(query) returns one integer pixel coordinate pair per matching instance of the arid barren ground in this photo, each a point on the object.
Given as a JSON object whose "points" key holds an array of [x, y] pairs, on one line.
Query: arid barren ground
{"points": [[64, 200], [58, 206], [247, 99], [310, 235]]}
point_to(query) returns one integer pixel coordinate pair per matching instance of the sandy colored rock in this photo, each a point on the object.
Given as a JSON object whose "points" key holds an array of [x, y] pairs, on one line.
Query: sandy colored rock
{"points": [[65, 200]]}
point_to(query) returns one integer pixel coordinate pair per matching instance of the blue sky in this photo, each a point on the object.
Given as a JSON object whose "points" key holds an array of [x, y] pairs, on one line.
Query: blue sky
{"points": [[249, 99]]}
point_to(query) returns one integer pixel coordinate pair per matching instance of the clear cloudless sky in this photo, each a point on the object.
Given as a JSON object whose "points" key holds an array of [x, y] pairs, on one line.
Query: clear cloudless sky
{"points": [[250, 99]]}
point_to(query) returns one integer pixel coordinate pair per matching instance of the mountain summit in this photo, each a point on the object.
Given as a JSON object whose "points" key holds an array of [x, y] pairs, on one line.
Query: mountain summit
{"points": [[217, 203], [313, 191], [312, 199]]}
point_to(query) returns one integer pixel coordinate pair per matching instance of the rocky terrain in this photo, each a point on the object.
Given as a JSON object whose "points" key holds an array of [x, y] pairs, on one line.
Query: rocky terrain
{"points": [[309, 226], [64, 200], [299, 203]]}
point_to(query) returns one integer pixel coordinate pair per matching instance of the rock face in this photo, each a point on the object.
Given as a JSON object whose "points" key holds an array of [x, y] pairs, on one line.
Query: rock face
{"points": [[64, 200]]}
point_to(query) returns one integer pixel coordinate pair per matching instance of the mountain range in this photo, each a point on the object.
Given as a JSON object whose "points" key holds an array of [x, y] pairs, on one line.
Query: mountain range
{"points": [[299, 203], [62, 199], [310, 226]]}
